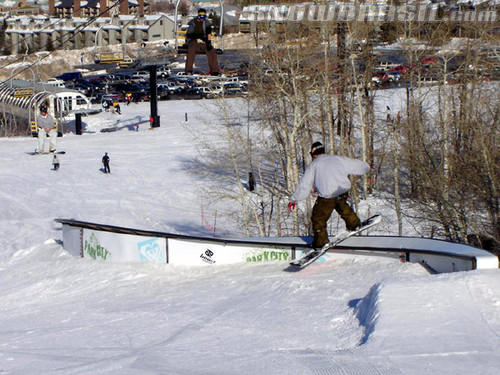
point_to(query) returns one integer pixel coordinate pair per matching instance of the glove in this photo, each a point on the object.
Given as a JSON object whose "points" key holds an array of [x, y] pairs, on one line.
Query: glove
{"points": [[291, 206], [208, 45]]}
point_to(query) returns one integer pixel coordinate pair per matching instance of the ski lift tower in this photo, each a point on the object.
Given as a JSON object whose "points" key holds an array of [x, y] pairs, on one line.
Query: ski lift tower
{"points": [[151, 65]]}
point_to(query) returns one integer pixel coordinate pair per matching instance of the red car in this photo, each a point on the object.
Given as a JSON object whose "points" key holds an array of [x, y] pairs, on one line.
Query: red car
{"points": [[400, 69], [380, 77], [113, 96], [429, 60]]}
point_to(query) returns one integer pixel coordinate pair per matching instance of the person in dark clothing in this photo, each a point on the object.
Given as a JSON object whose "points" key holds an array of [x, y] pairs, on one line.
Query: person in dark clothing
{"points": [[116, 107], [200, 28], [55, 163], [389, 114], [105, 163]]}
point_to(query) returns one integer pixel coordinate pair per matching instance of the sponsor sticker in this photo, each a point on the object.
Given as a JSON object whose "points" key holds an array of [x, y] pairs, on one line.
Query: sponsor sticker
{"points": [[258, 256], [151, 251], [207, 256], [92, 247]]}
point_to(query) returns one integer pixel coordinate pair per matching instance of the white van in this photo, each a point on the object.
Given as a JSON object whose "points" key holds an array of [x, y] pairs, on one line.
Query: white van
{"points": [[208, 92], [55, 82], [234, 79], [140, 74]]}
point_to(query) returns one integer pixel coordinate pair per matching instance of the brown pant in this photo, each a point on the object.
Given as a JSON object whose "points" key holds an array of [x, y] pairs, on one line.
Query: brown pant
{"points": [[322, 211], [193, 48]]}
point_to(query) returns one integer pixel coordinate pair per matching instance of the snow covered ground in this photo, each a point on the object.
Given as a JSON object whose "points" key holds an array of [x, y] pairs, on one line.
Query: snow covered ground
{"points": [[65, 315]]}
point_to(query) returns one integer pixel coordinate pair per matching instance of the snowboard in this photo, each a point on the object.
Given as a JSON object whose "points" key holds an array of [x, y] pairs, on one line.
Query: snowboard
{"points": [[46, 153], [312, 255]]}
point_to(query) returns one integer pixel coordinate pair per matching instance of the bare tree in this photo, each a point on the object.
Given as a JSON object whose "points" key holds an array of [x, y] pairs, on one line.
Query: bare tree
{"points": [[440, 157]]}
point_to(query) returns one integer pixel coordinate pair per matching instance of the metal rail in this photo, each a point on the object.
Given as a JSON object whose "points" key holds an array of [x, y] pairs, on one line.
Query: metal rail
{"points": [[411, 247]]}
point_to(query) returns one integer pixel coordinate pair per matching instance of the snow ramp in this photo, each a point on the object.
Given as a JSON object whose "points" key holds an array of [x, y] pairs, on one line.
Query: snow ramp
{"points": [[406, 320]]}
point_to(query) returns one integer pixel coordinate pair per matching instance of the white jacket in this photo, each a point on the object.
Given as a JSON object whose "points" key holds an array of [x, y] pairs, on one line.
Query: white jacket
{"points": [[328, 174], [46, 122]]}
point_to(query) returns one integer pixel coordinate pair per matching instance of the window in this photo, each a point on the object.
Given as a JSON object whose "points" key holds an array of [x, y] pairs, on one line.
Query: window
{"points": [[68, 103]]}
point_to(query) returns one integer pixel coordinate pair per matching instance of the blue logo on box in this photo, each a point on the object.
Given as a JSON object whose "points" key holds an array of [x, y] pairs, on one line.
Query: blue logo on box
{"points": [[151, 251]]}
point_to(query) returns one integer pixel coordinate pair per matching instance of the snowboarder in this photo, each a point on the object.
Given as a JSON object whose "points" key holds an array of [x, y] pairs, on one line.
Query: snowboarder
{"points": [[46, 127], [116, 107], [55, 163], [328, 175], [200, 28], [128, 97], [105, 105], [105, 163]]}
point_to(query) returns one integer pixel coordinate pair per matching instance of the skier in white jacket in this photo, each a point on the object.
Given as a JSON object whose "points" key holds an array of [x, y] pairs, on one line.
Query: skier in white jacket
{"points": [[46, 127], [329, 176]]}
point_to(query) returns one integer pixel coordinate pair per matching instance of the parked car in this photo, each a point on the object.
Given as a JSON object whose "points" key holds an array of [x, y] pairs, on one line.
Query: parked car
{"points": [[139, 92], [122, 75], [170, 87], [128, 87], [165, 89], [187, 81], [162, 92], [380, 77], [69, 76], [55, 82], [244, 85], [83, 86], [163, 72], [387, 62], [400, 69], [206, 92], [231, 88], [429, 60], [113, 96], [140, 74], [393, 76]]}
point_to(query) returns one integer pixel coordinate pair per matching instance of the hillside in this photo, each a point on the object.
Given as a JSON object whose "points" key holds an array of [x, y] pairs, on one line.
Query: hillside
{"points": [[347, 315]]}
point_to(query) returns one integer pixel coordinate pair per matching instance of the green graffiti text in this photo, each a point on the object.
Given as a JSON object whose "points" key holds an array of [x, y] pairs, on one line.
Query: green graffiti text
{"points": [[268, 256]]}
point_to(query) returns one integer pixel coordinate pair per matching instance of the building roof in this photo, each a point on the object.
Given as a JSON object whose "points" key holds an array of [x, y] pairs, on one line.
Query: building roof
{"points": [[90, 3]]}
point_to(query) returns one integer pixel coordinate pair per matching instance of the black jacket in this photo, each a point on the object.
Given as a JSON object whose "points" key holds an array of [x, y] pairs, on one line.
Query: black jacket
{"points": [[199, 30]]}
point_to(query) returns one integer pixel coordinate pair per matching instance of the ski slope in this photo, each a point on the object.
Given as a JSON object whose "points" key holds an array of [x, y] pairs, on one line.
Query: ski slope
{"points": [[66, 315]]}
